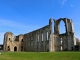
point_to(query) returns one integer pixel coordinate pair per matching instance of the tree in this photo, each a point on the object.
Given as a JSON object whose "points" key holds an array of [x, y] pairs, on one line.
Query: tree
{"points": [[77, 41]]}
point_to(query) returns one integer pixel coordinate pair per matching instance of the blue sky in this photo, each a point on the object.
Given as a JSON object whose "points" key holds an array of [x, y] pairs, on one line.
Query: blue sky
{"points": [[22, 16]]}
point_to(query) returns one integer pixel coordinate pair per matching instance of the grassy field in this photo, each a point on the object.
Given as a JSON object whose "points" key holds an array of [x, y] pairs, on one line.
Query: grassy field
{"points": [[40, 56]]}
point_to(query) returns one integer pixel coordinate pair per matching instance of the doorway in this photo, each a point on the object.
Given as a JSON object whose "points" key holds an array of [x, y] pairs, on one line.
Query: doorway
{"points": [[15, 48]]}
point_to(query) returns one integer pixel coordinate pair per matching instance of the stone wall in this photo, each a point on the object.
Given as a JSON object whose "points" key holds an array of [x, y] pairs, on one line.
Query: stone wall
{"points": [[12, 43], [37, 40], [43, 39]]}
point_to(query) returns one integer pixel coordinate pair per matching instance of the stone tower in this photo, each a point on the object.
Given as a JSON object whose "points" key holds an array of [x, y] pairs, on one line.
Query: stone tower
{"points": [[8, 37], [13, 43]]}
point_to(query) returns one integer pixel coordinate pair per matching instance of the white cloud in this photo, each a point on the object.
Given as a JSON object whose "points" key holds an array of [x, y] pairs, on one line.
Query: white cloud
{"points": [[62, 1], [14, 27], [14, 24], [10, 23], [72, 5]]}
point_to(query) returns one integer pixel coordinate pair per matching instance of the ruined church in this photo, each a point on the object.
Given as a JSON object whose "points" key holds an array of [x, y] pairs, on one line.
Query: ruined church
{"points": [[43, 39]]}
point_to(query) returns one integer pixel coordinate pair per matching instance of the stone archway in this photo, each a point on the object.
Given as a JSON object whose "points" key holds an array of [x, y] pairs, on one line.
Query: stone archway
{"points": [[68, 41], [62, 27], [57, 25], [15, 48]]}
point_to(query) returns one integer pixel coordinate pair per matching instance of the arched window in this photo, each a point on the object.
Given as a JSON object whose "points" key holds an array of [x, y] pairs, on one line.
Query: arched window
{"points": [[61, 43], [42, 36], [47, 36], [38, 37], [62, 27]]}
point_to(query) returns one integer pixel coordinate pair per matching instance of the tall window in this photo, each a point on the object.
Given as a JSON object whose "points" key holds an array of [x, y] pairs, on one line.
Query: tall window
{"points": [[42, 36], [38, 37], [47, 35], [61, 41], [62, 27]]}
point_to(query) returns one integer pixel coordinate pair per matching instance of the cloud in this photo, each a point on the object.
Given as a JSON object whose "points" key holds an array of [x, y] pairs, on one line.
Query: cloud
{"points": [[14, 24], [72, 5], [10, 23], [15, 27], [62, 1]]}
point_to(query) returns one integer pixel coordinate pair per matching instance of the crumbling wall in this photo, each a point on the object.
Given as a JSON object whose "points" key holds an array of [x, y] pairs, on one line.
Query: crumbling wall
{"points": [[68, 37], [10, 42], [43, 39], [37, 40]]}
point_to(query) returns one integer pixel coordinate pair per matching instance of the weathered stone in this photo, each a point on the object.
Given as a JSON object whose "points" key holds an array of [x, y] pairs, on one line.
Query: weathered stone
{"points": [[43, 39]]}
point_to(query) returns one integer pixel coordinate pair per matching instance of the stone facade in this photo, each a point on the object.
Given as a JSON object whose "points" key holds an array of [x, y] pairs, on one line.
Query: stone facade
{"points": [[43, 39]]}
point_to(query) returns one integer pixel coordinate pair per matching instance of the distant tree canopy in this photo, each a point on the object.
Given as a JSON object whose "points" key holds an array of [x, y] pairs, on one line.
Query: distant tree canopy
{"points": [[77, 41]]}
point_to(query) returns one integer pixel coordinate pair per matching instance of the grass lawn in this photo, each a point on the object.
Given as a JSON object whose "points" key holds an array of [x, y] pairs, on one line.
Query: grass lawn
{"points": [[40, 56]]}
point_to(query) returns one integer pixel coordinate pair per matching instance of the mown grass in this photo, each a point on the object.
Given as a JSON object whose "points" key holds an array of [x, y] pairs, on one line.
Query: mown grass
{"points": [[40, 56]]}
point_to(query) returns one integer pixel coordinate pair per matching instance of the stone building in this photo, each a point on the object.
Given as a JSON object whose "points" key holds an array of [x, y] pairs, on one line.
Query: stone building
{"points": [[43, 39]]}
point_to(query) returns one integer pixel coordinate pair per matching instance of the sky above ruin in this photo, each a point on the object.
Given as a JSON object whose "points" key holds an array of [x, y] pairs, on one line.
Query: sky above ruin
{"points": [[22, 16]]}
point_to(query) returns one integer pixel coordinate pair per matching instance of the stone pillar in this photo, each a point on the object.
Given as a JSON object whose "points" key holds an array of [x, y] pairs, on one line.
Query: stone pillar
{"points": [[51, 35], [69, 42], [5, 42], [66, 23]]}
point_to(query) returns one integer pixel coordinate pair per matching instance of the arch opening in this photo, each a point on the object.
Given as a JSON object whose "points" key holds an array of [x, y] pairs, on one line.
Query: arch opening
{"points": [[53, 26], [15, 48], [62, 27], [38, 37], [47, 35], [42, 36], [61, 44]]}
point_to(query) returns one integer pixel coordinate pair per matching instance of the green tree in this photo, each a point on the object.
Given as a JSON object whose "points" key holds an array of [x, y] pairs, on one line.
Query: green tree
{"points": [[77, 41]]}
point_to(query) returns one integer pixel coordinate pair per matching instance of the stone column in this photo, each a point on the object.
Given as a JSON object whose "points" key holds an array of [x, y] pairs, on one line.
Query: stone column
{"points": [[66, 23], [69, 42], [51, 35]]}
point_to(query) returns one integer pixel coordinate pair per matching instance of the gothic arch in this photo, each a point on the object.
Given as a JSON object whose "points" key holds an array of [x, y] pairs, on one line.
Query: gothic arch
{"points": [[57, 25], [15, 48]]}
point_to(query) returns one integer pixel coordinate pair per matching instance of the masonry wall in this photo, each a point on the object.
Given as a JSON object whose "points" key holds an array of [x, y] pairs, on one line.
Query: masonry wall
{"points": [[11, 42], [37, 40], [43, 39]]}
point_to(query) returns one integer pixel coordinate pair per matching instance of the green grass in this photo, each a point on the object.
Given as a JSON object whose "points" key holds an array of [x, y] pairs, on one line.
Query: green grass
{"points": [[40, 56]]}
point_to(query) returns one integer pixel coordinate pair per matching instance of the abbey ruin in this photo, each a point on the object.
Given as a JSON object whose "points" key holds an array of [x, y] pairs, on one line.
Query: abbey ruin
{"points": [[43, 39]]}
